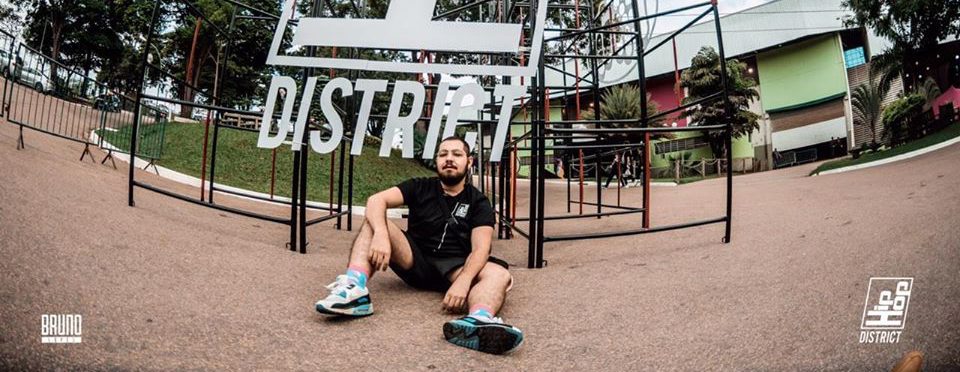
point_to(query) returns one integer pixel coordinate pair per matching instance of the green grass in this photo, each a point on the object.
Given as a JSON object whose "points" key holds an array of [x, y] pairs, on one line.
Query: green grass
{"points": [[240, 163], [149, 141], [947, 133]]}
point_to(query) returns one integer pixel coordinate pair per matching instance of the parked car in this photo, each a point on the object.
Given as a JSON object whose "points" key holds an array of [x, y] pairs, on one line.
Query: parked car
{"points": [[107, 102], [29, 76]]}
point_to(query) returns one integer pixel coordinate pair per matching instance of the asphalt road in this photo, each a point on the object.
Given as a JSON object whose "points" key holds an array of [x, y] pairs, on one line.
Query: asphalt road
{"points": [[169, 285]]}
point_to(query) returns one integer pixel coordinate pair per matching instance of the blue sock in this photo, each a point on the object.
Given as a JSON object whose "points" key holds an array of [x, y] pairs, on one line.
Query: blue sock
{"points": [[359, 277], [481, 310]]}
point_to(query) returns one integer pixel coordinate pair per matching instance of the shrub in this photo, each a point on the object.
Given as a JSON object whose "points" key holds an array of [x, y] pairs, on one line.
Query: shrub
{"points": [[897, 117]]}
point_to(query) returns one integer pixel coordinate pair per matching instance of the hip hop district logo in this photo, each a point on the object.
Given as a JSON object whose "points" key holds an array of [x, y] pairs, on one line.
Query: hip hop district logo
{"points": [[408, 25], [61, 328], [885, 310]]}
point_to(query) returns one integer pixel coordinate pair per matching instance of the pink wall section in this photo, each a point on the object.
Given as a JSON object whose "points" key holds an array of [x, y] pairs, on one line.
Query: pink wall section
{"points": [[661, 92]]}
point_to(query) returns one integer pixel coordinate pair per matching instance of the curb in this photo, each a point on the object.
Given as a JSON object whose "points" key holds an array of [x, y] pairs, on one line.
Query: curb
{"points": [[892, 159], [195, 182]]}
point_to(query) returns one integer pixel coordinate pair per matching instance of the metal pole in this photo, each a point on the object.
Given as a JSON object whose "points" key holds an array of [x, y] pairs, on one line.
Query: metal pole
{"points": [[595, 74], [533, 260], [642, 80], [727, 111], [302, 221], [216, 100], [294, 197], [136, 109], [350, 196]]}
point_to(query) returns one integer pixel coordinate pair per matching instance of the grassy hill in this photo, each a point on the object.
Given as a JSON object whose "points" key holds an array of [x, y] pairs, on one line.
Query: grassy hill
{"points": [[240, 163]]}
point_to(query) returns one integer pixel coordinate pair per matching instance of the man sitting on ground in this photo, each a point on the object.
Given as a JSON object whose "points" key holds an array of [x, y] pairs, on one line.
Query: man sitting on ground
{"points": [[446, 248]]}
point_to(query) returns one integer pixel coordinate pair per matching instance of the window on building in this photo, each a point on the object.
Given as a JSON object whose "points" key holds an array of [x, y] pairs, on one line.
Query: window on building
{"points": [[854, 57], [681, 145]]}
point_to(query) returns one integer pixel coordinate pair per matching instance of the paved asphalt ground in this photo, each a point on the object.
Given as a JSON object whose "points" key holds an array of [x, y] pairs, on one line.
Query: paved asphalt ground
{"points": [[168, 285]]}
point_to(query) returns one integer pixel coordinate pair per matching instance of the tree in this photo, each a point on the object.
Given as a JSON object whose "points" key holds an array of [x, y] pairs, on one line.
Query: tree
{"points": [[9, 19], [46, 22], [867, 102], [195, 51], [701, 80], [913, 27]]}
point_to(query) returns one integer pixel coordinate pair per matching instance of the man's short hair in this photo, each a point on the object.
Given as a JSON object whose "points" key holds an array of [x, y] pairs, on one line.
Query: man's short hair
{"points": [[466, 145]]}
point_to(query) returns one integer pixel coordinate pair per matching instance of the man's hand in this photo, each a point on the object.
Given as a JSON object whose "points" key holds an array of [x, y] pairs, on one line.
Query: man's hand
{"points": [[456, 298], [380, 251]]}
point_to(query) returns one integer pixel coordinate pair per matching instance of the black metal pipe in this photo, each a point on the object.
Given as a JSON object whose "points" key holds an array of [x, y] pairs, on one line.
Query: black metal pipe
{"points": [[136, 114], [612, 206], [612, 234], [323, 218], [350, 195], [294, 199], [201, 105], [587, 215], [265, 199], [728, 109], [241, 212], [678, 31], [629, 21]]}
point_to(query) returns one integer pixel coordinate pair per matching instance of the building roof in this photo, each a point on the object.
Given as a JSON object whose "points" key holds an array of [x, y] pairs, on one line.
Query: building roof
{"points": [[765, 26]]}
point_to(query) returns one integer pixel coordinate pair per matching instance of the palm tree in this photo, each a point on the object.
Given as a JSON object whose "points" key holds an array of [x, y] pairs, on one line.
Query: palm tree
{"points": [[622, 102], [886, 67], [867, 102]]}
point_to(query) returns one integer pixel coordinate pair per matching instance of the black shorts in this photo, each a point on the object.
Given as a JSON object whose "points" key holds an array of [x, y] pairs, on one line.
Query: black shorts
{"points": [[430, 272]]}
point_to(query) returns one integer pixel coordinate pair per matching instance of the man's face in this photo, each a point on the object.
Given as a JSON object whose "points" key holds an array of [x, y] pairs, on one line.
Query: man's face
{"points": [[452, 162]]}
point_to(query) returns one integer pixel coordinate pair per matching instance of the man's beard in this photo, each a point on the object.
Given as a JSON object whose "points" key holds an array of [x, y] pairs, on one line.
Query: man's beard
{"points": [[451, 180]]}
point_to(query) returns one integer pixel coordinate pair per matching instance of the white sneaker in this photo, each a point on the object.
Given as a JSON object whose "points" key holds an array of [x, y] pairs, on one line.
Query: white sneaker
{"points": [[346, 298]]}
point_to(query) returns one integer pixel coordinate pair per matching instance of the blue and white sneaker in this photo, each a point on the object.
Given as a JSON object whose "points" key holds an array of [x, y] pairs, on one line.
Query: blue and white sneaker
{"points": [[346, 298], [486, 334]]}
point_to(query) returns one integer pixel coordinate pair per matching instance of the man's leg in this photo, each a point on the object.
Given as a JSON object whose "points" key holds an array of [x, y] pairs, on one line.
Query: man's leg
{"points": [[490, 288], [480, 330], [349, 294], [400, 251]]}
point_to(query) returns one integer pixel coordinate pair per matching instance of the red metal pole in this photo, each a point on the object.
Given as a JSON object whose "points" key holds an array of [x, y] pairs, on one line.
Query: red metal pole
{"points": [[193, 50]]}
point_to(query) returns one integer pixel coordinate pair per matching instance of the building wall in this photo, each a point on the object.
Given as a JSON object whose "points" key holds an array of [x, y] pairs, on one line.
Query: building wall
{"points": [[802, 89], [523, 156], [662, 92], [801, 73], [742, 148], [858, 76]]}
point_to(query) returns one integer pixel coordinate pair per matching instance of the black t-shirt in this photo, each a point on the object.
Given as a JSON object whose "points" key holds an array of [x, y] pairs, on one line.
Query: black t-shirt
{"points": [[439, 224]]}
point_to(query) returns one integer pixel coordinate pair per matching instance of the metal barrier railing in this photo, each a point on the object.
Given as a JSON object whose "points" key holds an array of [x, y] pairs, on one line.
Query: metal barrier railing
{"points": [[49, 97]]}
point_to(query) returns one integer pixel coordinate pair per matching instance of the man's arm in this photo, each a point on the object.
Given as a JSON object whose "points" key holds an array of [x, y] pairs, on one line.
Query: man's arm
{"points": [[480, 239], [376, 216]]}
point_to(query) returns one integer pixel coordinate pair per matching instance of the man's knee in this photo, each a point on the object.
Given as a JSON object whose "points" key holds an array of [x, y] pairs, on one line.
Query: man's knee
{"points": [[495, 272]]}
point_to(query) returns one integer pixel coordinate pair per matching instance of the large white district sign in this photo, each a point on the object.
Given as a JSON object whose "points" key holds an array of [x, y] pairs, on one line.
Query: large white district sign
{"points": [[408, 25]]}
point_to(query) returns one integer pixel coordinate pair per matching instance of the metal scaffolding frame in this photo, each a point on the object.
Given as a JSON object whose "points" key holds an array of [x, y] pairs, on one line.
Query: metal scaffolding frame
{"points": [[542, 129], [499, 178], [298, 220]]}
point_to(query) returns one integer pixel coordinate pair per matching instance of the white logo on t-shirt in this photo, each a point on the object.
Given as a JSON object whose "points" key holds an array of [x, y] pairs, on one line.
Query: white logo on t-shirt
{"points": [[462, 210]]}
